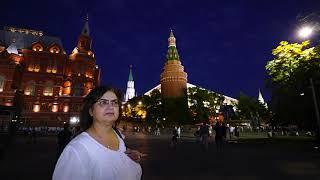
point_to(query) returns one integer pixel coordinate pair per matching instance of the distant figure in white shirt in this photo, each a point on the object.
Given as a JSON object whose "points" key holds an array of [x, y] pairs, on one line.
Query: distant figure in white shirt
{"points": [[179, 132], [99, 152]]}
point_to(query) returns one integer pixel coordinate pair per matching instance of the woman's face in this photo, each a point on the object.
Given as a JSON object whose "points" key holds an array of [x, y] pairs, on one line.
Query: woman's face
{"points": [[106, 109]]}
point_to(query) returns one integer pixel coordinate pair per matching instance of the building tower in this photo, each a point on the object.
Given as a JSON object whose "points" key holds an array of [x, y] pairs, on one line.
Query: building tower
{"points": [[130, 93], [261, 99], [82, 67], [38, 81], [173, 79]]}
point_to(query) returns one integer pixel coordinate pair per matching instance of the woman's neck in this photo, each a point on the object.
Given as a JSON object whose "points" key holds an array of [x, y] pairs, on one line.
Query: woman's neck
{"points": [[101, 130]]}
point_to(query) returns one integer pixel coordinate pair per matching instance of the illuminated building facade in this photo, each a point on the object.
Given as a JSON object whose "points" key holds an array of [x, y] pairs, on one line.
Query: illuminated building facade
{"points": [[53, 84]]}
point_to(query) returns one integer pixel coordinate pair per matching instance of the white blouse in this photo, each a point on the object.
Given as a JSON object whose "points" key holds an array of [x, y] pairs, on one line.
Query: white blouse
{"points": [[86, 159]]}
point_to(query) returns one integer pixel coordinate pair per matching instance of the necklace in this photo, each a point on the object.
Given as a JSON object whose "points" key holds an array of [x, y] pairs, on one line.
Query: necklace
{"points": [[99, 138]]}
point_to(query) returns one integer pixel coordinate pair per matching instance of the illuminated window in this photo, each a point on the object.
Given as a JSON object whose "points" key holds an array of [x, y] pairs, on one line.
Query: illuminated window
{"points": [[36, 108], [2, 81], [30, 88], [66, 88], [48, 90], [54, 49], [31, 67], [49, 69], [37, 68], [66, 108], [60, 90], [37, 47], [8, 104], [55, 108], [54, 68]]}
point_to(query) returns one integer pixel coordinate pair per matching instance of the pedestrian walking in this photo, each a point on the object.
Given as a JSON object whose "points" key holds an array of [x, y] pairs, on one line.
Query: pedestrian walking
{"points": [[178, 132], [174, 139], [221, 131], [237, 132], [197, 135], [33, 135], [64, 138], [204, 134]]}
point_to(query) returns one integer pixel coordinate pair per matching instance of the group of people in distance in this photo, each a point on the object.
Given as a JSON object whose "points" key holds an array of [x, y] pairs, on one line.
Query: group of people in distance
{"points": [[98, 152], [203, 134]]}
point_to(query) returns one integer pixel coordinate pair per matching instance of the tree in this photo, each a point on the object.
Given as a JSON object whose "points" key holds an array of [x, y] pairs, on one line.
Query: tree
{"points": [[154, 107], [137, 109], [176, 111], [248, 107], [289, 73], [203, 103], [227, 111], [289, 58]]}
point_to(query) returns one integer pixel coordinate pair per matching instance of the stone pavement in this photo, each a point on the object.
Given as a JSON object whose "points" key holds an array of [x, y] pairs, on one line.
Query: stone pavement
{"points": [[249, 160]]}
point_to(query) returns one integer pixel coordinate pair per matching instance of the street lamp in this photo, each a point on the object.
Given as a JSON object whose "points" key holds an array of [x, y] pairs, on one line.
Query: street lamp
{"points": [[305, 32]]}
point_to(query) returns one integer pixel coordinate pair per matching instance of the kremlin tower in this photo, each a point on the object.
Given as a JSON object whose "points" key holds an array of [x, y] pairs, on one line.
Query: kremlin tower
{"points": [[173, 79], [261, 99], [130, 86]]}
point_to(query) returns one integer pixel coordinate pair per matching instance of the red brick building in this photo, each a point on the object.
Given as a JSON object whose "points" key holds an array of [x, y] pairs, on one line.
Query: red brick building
{"points": [[53, 84]]}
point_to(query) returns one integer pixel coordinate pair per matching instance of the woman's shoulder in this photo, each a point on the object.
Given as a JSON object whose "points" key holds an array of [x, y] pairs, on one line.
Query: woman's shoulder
{"points": [[80, 141]]}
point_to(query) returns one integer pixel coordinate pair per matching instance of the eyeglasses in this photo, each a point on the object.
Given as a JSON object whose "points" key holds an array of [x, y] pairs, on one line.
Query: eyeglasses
{"points": [[105, 102]]}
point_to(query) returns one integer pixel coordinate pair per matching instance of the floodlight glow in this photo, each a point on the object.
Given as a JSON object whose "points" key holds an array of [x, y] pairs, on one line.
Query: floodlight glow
{"points": [[74, 120], [305, 32]]}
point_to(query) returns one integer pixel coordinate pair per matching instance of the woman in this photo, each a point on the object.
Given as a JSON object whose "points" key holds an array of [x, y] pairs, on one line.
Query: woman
{"points": [[98, 152]]}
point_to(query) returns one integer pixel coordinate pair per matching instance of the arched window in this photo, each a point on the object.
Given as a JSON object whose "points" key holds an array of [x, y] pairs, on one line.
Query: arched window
{"points": [[49, 68], [30, 88], [31, 67], [54, 67], [54, 49], [48, 89], [37, 47], [36, 68], [2, 81], [67, 88]]}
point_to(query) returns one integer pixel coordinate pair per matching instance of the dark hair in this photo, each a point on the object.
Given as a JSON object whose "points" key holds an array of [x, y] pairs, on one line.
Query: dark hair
{"points": [[86, 119]]}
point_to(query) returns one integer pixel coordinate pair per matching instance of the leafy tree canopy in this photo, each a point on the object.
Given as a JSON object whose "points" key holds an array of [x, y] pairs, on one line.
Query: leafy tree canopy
{"points": [[288, 59]]}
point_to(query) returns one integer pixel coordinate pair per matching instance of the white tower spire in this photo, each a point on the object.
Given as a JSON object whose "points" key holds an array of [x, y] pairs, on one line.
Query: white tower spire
{"points": [[130, 93], [261, 99]]}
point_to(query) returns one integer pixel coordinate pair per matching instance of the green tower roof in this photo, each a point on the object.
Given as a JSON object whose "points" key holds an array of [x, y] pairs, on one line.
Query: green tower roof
{"points": [[172, 53]]}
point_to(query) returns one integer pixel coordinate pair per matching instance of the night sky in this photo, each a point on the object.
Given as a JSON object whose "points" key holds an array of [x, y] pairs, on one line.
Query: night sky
{"points": [[223, 45]]}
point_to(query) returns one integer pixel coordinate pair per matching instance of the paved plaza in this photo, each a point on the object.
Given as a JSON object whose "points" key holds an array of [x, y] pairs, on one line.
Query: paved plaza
{"points": [[249, 160]]}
